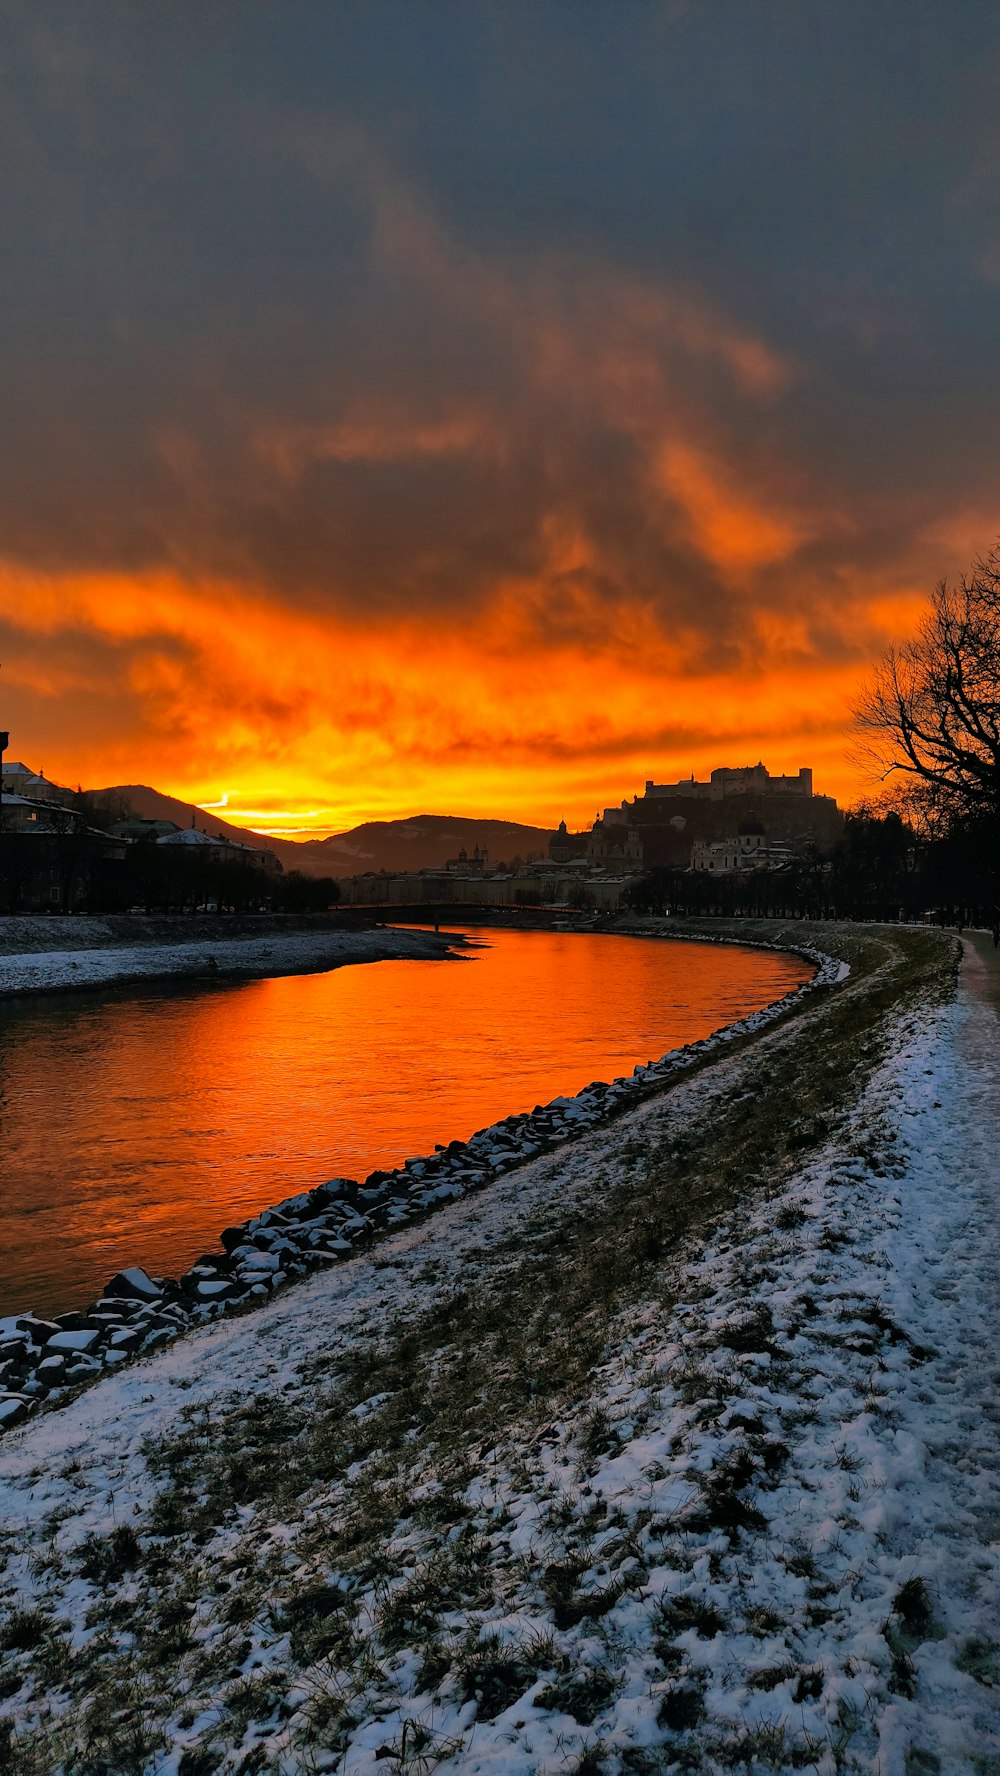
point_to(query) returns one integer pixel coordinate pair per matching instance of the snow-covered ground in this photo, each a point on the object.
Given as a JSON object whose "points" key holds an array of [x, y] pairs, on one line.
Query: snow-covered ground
{"points": [[47, 971], [765, 1535]]}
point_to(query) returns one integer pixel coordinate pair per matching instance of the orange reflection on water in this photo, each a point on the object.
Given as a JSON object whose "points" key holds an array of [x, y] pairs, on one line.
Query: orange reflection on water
{"points": [[133, 1128]]}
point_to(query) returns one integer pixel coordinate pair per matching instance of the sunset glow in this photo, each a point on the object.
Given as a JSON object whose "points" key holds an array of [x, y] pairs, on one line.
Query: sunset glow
{"points": [[400, 502]]}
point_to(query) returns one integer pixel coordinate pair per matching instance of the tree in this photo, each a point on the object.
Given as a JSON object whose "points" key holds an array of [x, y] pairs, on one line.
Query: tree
{"points": [[298, 893], [870, 878], [932, 708], [932, 714]]}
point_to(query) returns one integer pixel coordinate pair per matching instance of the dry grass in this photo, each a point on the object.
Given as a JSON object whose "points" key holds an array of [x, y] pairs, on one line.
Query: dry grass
{"points": [[464, 1376]]}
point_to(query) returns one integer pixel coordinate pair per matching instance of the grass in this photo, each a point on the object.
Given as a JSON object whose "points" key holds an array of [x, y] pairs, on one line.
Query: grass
{"points": [[467, 1374]]}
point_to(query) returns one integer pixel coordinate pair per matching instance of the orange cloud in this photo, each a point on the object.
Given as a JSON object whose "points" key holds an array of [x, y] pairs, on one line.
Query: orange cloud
{"points": [[374, 436], [310, 724], [734, 532], [518, 583]]}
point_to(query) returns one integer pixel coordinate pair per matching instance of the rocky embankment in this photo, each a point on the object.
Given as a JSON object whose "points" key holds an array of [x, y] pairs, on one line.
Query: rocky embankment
{"points": [[44, 1360]]}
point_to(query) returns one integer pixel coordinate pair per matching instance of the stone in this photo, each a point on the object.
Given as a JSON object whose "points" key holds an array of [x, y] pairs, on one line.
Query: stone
{"points": [[82, 1368], [39, 1331], [135, 1283], [232, 1237], [14, 1410], [73, 1341], [253, 1258]]}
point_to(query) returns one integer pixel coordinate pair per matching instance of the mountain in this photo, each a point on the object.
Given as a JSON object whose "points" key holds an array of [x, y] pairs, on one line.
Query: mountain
{"points": [[423, 841], [152, 804]]}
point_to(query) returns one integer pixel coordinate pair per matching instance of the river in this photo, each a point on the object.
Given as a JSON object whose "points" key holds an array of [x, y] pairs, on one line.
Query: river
{"points": [[135, 1125]]}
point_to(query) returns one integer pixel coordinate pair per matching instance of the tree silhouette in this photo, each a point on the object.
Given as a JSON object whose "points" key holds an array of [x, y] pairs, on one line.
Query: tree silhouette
{"points": [[932, 714], [932, 708]]}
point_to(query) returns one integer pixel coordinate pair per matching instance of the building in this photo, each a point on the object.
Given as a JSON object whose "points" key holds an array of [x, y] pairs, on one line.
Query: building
{"points": [[615, 845], [464, 865], [735, 780], [564, 845], [18, 815], [669, 818], [217, 849], [20, 780], [136, 829], [749, 850]]}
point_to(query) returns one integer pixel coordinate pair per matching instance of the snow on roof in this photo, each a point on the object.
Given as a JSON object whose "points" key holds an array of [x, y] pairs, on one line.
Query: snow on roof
{"points": [[190, 836]]}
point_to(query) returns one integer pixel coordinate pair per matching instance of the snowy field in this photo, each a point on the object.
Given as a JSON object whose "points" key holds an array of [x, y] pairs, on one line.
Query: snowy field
{"points": [[483, 1501], [49, 971]]}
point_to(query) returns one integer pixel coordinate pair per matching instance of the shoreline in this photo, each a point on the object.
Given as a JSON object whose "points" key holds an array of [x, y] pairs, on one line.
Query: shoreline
{"points": [[494, 1489], [48, 1358], [219, 952]]}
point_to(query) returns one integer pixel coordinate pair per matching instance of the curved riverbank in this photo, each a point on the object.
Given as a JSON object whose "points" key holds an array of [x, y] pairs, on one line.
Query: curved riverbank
{"points": [[647, 1445], [47, 1357], [67, 955]]}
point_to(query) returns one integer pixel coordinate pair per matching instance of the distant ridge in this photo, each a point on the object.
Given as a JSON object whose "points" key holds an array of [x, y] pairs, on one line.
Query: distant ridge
{"points": [[422, 841], [152, 804], [425, 841]]}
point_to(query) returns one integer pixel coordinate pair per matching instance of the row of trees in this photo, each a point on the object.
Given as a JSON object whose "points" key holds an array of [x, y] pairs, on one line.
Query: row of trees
{"points": [[882, 868], [72, 871]]}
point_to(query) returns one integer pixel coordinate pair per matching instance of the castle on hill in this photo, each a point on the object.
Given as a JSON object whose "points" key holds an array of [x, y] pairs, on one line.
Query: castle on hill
{"points": [[732, 780], [742, 817]]}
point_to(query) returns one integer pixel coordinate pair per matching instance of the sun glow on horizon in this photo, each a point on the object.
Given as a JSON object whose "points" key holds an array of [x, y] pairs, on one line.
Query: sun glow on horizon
{"points": [[498, 718]]}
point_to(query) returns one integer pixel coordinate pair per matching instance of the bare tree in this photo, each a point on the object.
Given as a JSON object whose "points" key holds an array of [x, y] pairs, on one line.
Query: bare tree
{"points": [[932, 708], [931, 714]]}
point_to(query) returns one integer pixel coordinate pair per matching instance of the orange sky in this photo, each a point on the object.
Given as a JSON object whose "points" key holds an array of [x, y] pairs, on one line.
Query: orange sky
{"points": [[484, 415], [489, 624], [289, 722]]}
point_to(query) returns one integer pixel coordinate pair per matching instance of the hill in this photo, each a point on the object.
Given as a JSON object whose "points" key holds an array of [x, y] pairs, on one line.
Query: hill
{"points": [[152, 804], [423, 841]]}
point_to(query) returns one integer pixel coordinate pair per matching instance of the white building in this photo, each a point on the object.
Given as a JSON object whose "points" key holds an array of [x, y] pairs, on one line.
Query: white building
{"points": [[748, 851], [34, 786]]}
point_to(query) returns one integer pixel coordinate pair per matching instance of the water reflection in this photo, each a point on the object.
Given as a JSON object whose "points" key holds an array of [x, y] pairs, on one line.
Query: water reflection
{"points": [[133, 1127]]}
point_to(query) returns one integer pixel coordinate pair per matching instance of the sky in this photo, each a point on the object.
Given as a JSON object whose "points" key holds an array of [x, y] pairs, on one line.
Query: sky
{"points": [[482, 408]]}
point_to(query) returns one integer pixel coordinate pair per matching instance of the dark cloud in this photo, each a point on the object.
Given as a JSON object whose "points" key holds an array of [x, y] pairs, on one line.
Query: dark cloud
{"points": [[671, 320]]}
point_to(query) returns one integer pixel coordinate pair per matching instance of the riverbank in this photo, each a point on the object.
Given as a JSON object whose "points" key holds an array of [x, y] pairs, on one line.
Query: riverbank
{"points": [[65, 1343], [67, 955], [676, 1447]]}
